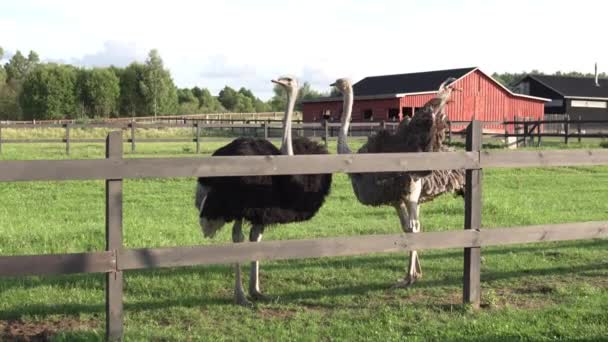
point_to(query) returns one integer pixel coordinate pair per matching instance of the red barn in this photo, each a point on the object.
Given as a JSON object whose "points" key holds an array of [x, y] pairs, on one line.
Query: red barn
{"points": [[390, 97]]}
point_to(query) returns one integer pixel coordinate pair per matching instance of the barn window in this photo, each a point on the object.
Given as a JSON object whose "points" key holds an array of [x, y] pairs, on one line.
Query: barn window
{"points": [[368, 114], [407, 111], [393, 114], [326, 114]]}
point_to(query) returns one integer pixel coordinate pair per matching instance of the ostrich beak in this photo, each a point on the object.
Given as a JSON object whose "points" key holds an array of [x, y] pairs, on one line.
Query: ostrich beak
{"points": [[333, 84], [275, 81]]}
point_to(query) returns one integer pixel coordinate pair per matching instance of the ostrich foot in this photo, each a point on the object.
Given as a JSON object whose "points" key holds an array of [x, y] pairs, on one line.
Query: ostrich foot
{"points": [[408, 281], [413, 226], [241, 299], [258, 296]]}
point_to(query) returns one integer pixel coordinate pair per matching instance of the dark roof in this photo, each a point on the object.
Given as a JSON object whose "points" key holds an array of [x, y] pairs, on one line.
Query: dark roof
{"points": [[406, 83], [574, 86]]}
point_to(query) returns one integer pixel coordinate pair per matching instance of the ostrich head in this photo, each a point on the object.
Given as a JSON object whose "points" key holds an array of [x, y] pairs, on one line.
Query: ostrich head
{"points": [[442, 98], [289, 83], [342, 84]]}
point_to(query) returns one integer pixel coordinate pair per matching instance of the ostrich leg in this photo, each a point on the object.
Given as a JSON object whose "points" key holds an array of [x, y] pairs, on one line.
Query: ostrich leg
{"points": [[255, 235], [239, 294], [408, 215]]}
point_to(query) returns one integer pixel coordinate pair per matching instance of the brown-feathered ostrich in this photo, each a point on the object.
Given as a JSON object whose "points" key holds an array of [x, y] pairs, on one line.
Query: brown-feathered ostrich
{"points": [[261, 200], [425, 132]]}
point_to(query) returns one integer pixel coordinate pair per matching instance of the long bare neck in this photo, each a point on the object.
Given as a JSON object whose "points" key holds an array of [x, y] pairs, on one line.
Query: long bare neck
{"points": [[347, 110], [287, 144]]}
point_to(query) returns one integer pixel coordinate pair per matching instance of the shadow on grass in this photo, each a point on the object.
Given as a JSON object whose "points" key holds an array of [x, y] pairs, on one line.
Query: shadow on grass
{"points": [[453, 279]]}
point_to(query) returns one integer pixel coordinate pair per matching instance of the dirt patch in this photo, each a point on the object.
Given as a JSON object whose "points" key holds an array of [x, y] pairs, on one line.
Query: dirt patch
{"points": [[39, 331], [271, 313], [533, 289]]}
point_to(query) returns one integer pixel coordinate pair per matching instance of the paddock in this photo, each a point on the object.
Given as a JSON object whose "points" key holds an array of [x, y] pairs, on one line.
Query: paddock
{"points": [[118, 259]]}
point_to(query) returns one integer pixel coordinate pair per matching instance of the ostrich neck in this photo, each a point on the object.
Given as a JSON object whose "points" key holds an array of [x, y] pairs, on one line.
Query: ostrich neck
{"points": [[287, 144], [347, 110]]}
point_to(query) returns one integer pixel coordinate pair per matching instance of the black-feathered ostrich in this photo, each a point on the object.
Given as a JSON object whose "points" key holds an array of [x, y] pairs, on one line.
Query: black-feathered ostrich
{"points": [[261, 200], [425, 132]]}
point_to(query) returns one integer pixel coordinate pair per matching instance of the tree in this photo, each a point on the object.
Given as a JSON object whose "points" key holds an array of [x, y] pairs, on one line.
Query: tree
{"points": [[18, 67], [132, 101], [244, 104], [186, 95], [158, 86], [48, 92], [246, 92], [261, 106], [99, 91], [228, 98], [9, 103], [208, 103]]}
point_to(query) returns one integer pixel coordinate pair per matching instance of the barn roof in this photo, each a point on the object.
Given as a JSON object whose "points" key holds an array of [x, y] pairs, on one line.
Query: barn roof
{"points": [[418, 82], [574, 87], [399, 85]]}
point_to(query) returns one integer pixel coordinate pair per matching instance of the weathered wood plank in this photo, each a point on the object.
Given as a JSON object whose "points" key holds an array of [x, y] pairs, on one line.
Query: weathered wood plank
{"points": [[51, 264], [144, 140], [32, 141], [345, 246], [114, 279], [472, 221], [231, 166], [544, 158]]}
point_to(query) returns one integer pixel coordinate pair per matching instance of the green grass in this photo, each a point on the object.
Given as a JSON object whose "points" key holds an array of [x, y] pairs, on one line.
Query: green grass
{"points": [[549, 291]]}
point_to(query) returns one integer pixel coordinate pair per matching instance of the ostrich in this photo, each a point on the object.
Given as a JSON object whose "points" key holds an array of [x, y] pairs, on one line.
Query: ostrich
{"points": [[261, 200], [404, 190]]}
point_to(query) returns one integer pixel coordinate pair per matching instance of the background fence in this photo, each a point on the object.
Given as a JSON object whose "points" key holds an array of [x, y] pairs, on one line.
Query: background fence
{"points": [[116, 259], [525, 132], [196, 131]]}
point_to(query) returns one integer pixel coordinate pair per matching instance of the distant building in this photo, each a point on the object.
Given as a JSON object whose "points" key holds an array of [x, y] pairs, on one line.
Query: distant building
{"points": [[390, 97], [576, 96]]}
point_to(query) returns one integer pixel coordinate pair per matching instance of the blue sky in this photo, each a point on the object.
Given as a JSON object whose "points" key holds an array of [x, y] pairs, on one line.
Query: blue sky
{"points": [[246, 43]]}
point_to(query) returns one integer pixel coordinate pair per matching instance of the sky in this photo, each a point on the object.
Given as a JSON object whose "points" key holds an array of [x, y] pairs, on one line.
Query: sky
{"points": [[246, 43]]}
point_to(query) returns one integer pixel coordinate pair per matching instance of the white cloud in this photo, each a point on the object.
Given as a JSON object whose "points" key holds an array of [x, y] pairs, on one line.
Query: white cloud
{"points": [[245, 43], [113, 53]]}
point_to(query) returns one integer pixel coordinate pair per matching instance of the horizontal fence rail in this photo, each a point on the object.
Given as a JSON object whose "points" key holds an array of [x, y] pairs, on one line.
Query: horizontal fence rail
{"points": [[116, 259], [142, 258], [57, 170]]}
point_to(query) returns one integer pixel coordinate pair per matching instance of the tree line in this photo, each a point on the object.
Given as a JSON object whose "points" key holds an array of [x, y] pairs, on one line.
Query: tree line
{"points": [[32, 90]]}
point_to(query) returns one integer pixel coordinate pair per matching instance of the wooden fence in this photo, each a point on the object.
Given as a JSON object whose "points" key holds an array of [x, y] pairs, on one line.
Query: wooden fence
{"points": [[532, 131], [266, 129], [116, 259], [217, 117]]}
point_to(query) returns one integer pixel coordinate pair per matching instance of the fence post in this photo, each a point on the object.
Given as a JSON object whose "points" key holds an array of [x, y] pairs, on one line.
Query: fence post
{"points": [[114, 279], [132, 125], [0, 138], [507, 132], [449, 131], [525, 132], [265, 127], [198, 137], [539, 133], [472, 220], [326, 133], [578, 127], [566, 129], [67, 139]]}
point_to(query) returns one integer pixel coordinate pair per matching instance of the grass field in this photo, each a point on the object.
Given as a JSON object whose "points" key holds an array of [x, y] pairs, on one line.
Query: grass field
{"points": [[549, 291]]}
